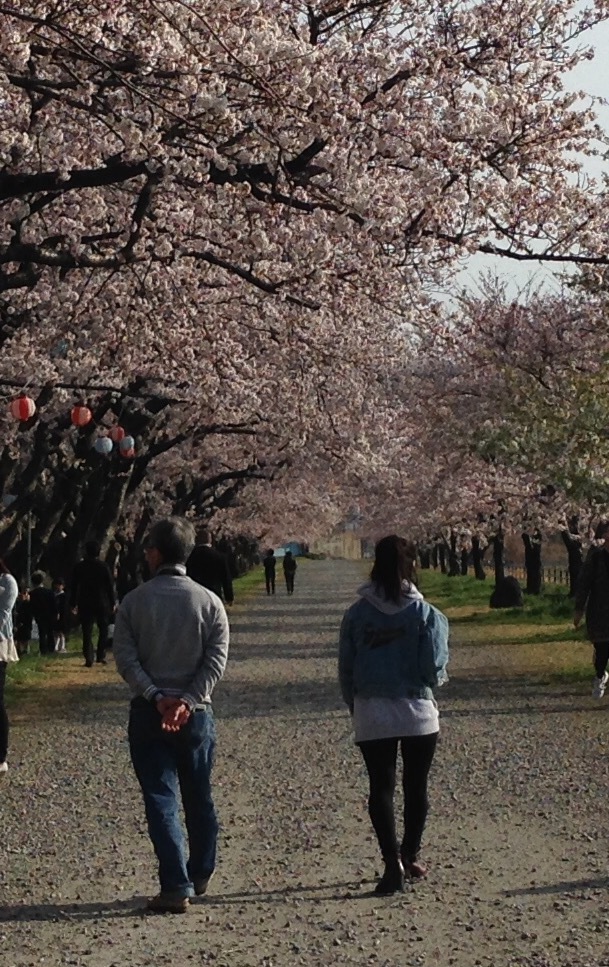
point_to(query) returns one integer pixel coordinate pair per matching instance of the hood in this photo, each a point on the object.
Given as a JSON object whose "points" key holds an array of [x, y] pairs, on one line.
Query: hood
{"points": [[410, 593]]}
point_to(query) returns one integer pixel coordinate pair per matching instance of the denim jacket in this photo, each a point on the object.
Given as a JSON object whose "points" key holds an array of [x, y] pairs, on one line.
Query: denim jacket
{"points": [[8, 595], [392, 652]]}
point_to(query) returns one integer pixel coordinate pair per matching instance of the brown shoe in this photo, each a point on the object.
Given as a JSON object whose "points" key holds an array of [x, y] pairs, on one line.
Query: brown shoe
{"points": [[200, 884], [168, 903]]}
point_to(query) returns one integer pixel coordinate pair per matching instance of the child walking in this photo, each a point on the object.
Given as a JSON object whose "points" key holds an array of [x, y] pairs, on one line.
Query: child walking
{"points": [[23, 622], [60, 627]]}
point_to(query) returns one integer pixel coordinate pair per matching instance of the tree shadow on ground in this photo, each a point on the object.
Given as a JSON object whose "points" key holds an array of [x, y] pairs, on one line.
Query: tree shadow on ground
{"points": [[281, 652], [565, 886], [264, 627], [315, 894], [82, 703], [289, 699], [135, 907], [65, 912], [527, 694]]}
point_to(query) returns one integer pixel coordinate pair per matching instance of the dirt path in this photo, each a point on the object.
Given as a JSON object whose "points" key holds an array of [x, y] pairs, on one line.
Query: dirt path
{"points": [[516, 840]]}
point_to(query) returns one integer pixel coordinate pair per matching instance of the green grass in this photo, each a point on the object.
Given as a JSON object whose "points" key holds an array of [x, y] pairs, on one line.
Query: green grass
{"points": [[31, 670], [538, 640], [245, 585], [552, 605]]}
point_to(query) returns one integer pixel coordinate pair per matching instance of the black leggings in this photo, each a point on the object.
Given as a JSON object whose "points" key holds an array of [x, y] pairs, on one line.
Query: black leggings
{"points": [[380, 757], [601, 657], [3, 715]]}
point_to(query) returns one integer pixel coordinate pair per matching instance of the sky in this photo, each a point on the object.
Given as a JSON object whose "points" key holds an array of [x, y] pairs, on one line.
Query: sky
{"points": [[592, 77]]}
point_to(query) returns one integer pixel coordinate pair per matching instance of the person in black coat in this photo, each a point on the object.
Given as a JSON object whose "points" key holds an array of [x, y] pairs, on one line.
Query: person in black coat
{"points": [[592, 598], [92, 598], [289, 571], [269, 560], [43, 611], [209, 567]]}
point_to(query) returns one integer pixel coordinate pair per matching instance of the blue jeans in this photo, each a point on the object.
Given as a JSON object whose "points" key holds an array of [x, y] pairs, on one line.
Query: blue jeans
{"points": [[168, 764]]}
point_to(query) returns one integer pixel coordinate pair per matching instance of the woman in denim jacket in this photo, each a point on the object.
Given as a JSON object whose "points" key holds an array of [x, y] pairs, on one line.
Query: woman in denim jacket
{"points": [[393, 652]]}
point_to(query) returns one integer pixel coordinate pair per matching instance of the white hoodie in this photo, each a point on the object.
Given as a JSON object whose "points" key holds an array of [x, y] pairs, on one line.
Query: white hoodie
{"points": [[410, 593]]}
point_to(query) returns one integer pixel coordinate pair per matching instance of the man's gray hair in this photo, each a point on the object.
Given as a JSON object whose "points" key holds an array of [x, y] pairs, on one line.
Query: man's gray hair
{"points": [[174, 539]]}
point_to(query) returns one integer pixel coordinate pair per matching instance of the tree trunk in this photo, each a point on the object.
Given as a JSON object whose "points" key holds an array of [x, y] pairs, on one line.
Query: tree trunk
{"points": [[442, 557], [425, 557], [532, 562], [478, 559], [464, 562], [573, 543], [454, 568], [498, 561]]}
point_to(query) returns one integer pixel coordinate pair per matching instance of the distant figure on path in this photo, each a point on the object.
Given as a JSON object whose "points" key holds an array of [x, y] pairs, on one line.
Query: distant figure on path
{"points": [[209, 567], [171, 646], [592, 598], [60, 627], [92, 598], [43, 611], [289, 571], [393, 651], [8, 596], [269, 562], [23, 622]]}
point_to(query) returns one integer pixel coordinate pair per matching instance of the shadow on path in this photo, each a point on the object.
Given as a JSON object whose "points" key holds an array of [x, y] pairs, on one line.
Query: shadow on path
{"points": [[565, 886], [133, 907]]}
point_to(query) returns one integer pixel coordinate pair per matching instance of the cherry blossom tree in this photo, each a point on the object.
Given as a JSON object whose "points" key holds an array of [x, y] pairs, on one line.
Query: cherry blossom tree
{"points": [[240, 210]]}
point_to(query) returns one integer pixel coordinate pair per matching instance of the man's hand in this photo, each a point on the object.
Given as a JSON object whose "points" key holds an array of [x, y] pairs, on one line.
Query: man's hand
{"points": [[174, 718], [577, 617], [165, 704]]}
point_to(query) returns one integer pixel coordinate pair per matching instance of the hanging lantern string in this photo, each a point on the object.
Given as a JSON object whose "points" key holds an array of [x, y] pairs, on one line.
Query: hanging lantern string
{"points": [[89, 388]]}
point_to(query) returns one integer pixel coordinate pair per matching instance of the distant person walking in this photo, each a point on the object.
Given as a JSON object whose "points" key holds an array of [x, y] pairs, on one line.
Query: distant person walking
{"points": [[209, 567], [43, 610], [592, 599], [23, 622], [171, 646], [269, 561], [92, 598], [393, 651], [8, 596], [289, 571]]}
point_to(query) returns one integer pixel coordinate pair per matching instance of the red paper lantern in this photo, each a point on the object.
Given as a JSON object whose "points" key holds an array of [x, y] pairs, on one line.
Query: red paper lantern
{"points": [[81, 415], [23, 408], [117, 433], [128, 454]]}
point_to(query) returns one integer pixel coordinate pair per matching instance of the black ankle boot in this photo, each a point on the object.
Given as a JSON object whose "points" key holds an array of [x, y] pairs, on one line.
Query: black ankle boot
{"points": [[392, 880]]}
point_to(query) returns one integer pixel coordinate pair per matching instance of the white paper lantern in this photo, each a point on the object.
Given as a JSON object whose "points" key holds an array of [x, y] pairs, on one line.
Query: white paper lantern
{"points": [[103, 445], [127, 443]]}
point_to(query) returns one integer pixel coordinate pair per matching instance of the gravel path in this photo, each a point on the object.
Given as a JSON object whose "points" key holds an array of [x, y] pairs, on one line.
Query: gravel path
{"points": [[516, 840]]}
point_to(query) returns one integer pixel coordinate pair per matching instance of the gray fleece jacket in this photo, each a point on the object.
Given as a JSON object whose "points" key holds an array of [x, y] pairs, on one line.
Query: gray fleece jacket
{"points": [[171, 636]]}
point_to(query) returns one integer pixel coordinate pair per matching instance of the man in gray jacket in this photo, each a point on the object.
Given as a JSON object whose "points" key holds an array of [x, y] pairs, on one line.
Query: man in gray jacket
{"points": [[171, 646]]}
